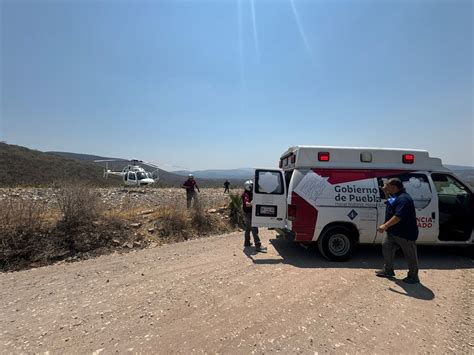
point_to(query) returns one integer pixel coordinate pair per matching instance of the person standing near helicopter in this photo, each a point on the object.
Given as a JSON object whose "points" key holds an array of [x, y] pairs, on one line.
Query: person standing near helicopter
{"points": [[190, 186]]}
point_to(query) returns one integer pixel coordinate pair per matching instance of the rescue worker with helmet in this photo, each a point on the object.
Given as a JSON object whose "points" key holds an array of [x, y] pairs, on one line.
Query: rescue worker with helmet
{"points": [[247, 198], [189, 185]]}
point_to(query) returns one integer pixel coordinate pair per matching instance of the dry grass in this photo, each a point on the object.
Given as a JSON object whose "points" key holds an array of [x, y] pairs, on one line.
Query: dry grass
{"points": [[79, 206], [24, 232], [172, 224], [31, 235], [200, 221]]}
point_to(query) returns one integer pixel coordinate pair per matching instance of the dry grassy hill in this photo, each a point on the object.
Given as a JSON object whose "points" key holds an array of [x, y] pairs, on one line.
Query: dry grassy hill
{"points": [[26, 167]]}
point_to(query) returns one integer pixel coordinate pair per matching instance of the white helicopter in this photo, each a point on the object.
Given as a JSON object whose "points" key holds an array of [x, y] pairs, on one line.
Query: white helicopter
{"points": [[133, 174]]}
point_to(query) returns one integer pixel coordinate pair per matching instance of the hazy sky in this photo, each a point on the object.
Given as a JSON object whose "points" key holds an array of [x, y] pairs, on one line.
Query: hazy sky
{"points": [[229, 83]]}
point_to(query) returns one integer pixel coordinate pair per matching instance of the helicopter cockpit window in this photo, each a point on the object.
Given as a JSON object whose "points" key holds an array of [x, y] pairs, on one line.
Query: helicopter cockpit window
{"points": [[131, 176], [141, 175]]}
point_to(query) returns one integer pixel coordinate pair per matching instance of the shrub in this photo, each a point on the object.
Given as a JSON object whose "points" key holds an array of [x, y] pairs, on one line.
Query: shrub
{"points": [[236, 214], [172, 223], [24, 232], [79, 207], [200, 221]]}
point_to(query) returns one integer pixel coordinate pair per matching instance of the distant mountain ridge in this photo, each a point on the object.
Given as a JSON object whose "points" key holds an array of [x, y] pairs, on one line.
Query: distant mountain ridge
{"points": [[248, 173], [242, 173]]}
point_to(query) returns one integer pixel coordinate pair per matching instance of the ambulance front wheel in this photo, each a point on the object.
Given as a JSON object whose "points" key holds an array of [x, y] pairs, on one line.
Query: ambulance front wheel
{"points": [[337, 244]]}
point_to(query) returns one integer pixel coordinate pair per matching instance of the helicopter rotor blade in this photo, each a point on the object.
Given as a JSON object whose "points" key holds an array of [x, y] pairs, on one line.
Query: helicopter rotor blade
{"points": [[155, 175], [153, 165], [106, 160]]}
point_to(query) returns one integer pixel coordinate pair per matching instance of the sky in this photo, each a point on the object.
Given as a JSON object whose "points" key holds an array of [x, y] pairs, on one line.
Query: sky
{"points": [[234, 83]]}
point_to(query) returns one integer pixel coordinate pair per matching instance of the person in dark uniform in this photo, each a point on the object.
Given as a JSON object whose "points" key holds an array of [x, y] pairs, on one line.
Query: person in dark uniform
{"points": [[226, 186], [402, 231], [247, 198], [190, 186]]}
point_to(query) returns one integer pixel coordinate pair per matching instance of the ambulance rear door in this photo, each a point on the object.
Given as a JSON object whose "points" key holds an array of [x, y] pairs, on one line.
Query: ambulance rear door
{"points": [[269, 205]]}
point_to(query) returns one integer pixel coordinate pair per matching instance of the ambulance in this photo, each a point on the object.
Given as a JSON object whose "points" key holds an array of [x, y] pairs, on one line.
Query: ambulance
{"points": [[332, 196]]}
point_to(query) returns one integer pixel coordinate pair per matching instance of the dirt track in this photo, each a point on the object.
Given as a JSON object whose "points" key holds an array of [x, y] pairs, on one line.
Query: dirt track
{"points": [[208, 295]]}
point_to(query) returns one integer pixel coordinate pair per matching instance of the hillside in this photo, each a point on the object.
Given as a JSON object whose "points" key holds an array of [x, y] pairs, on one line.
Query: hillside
{"points": [[208, 178], [26, 167]]}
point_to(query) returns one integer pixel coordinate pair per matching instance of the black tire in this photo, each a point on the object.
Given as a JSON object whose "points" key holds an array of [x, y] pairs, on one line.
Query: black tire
{"points": [[336, 243], [468, 251]]}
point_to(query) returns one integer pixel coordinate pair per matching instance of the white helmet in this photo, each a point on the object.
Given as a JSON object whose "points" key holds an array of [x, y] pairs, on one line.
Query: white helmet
{"points": [[248, 185], [190, 176]]}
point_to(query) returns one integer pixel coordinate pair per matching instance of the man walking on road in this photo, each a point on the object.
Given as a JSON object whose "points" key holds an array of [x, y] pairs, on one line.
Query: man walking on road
{"points": [[247, 198], [402, 231], [189, 185]]}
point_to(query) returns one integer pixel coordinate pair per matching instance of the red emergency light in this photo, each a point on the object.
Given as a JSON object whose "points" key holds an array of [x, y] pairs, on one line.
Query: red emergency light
{"points": [[408, 158], [323, 156]]}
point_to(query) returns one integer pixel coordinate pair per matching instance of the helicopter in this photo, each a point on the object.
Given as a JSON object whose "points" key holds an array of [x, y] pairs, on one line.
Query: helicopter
{"points": [[133, 174]]}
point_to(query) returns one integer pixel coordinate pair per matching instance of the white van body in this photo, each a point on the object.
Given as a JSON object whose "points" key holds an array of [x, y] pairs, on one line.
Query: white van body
{"points": [[331, 195]]}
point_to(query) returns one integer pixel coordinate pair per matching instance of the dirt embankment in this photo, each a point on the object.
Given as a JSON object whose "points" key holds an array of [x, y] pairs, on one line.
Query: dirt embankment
{"points": [[212, 296]]}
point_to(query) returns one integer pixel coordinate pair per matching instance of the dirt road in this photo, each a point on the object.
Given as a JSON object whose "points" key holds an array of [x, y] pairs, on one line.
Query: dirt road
{"points": [[208, 295]]}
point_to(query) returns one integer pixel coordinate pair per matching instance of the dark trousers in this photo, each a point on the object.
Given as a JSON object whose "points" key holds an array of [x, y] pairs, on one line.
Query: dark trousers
{"points": [[391, 243], [190, 195], [249, 228], [226, 189]]}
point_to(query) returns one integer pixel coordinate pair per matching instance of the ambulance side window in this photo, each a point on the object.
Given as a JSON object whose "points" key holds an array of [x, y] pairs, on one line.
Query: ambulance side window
{"points": [[447, 185], [269, 182], [416, 185]]}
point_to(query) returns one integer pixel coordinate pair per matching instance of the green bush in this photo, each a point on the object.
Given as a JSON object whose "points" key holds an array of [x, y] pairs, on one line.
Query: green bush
{"points": [[236, 215]]}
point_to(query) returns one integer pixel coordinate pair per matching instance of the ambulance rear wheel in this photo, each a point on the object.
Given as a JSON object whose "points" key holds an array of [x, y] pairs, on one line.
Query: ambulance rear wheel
{"points": [[337, 244]]}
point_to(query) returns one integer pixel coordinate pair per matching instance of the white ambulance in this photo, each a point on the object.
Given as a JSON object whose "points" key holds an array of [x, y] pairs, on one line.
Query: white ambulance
{"points": [[332, 196]]}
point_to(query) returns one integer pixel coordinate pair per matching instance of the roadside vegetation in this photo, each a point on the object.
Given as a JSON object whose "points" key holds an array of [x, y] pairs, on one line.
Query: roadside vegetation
{"points": [[80, 226], [236, 215]]}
